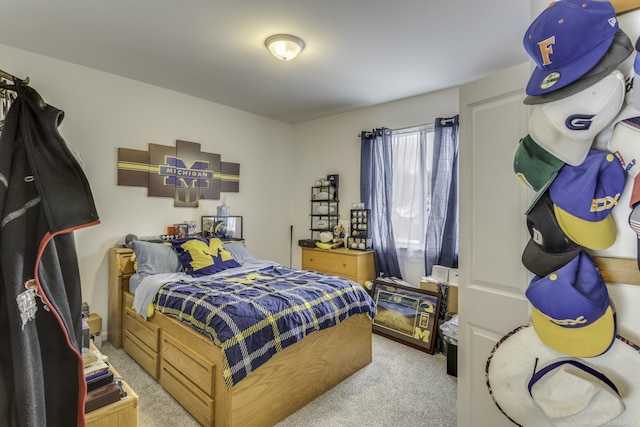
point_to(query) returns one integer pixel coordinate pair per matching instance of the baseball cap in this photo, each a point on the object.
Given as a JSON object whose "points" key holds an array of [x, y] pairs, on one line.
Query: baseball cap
{"points": [[621, 48], [548, 249], [583, 197], [571, 311], [566, 128], [636, 62], [633, 96], [572, 393], [566, 41], [534, 165], [514, 360], [625, 144]]}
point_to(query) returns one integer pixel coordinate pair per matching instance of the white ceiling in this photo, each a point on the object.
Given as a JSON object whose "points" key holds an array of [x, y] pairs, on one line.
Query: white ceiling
{"points": [[358, 52]]}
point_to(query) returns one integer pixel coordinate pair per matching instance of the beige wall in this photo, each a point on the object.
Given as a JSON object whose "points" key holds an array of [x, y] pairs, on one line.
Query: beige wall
{"points": [[104, 112], [278, 162], [332, 145]]}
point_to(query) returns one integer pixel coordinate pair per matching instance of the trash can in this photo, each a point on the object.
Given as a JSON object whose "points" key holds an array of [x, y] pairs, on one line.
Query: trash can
{"points": [[449, 331], [452, 360]]}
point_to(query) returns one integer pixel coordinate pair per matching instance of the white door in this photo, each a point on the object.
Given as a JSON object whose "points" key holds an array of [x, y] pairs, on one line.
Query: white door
{"points": [[493, 234]]}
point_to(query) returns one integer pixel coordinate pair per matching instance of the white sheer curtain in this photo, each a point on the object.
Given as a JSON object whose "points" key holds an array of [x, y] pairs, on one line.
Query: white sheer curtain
{"points": [[412, 164]]}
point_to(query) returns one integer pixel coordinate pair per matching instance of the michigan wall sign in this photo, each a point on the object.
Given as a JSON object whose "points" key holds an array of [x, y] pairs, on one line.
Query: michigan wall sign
{"points": [[182, 172]]}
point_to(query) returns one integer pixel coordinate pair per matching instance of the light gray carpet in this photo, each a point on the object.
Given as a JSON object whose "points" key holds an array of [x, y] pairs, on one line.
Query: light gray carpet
{"points": [[401, 387]]}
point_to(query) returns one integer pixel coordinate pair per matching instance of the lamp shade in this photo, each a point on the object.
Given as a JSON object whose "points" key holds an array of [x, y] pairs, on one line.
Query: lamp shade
{"points": [[285, 47]]}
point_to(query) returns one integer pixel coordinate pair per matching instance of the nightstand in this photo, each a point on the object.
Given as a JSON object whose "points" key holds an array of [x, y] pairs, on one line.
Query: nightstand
{"points": [[123, 413]]}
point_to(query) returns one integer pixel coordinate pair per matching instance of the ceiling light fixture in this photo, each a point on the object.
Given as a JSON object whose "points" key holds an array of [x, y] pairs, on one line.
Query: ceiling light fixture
{"points": [[285, 47]]}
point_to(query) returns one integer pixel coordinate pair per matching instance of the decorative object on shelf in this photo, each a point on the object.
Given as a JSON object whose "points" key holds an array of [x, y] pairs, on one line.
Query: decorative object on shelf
{"points": [[359, 243], [334, 180], [406, 314], [325, 236], [227, 227], [339, 233], [193, 226], [182, 230], [224, 209]]}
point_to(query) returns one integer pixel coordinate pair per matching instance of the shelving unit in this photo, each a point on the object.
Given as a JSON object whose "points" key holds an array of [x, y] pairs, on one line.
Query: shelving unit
{"points": [[359, 238], [325, 209]]}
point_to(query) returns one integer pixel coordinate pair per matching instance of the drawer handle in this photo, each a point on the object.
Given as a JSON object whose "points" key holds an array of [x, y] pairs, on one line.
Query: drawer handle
{"points": [[344, 264], [311, 259]]}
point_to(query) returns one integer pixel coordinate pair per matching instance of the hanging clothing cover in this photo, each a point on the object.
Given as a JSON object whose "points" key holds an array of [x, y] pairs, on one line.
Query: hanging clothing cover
{"points": [[44, 197]]}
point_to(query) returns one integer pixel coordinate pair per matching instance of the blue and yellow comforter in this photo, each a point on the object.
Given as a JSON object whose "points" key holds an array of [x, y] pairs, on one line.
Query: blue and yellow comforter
{"points": [[253, 315]]}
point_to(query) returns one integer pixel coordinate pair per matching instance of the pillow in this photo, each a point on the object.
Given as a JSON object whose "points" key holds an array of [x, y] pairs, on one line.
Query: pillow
{"points": [[201, 256], [239, 252], [155, 258]]}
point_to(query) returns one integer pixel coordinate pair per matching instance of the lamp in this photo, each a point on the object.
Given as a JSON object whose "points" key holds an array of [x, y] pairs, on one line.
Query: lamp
{"points": [[285, 47]]}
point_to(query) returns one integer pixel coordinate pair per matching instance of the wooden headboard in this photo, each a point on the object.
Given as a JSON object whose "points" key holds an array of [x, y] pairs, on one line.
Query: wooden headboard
{"points": [[120, 269]]}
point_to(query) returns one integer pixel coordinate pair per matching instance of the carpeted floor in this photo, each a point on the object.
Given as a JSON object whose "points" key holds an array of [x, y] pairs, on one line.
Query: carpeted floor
{"points": [[401, 387]]}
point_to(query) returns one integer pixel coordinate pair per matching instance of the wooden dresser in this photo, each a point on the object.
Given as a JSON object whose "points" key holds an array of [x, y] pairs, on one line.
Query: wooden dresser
{"points": [[355, 265]]}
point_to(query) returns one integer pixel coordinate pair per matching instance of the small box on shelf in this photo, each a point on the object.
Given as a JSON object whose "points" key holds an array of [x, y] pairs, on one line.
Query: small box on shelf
{"points": [[95, 329]]}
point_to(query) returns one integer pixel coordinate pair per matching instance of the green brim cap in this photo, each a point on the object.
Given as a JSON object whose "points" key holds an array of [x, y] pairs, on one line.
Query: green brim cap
{"points": [[535, 166]]}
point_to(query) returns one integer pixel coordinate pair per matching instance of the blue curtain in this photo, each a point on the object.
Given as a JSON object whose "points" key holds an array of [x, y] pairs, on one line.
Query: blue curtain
{"points": [[376, 160], [441, 244]]}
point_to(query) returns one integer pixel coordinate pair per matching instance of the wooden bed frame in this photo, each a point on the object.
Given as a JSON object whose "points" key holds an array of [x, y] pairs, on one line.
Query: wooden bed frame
{"points": [[189, 366]]}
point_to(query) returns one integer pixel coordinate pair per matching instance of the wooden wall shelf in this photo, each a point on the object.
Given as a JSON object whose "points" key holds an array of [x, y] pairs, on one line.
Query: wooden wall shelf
{"points": [[624, 6], [618, 270]]}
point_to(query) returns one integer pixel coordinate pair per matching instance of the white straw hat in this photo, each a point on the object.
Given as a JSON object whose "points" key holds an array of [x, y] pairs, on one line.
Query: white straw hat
{"points": [[517, 357], [571, 393]]}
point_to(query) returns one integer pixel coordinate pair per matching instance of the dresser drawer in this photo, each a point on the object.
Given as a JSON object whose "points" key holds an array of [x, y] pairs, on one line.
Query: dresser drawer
{"points": [[199, 404], [144, 331], [330, 262], [199, 371], [141, 353]]}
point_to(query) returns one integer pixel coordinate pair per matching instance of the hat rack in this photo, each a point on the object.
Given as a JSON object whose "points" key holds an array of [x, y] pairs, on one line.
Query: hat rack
{"points": [[618, 270], [623, 6]]}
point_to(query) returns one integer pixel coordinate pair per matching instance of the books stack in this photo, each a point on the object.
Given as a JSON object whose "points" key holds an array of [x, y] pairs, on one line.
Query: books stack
{"points": [[102, 388]]}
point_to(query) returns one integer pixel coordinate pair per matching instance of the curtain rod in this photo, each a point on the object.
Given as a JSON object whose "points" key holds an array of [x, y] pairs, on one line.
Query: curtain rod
{"points": [[5, 75], [407, 128]]}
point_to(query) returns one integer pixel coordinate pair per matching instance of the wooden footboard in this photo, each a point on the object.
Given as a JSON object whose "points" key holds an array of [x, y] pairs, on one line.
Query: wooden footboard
{"points": [[189, 366]]}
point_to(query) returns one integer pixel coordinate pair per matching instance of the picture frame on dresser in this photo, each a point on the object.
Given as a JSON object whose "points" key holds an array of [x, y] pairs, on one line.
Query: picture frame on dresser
{"points": [[233, 225], [406, 314]]}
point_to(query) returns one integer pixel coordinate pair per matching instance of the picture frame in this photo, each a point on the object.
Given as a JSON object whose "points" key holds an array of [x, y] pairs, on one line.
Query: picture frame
{"points": [[182, 230], [233, 226], [406, 314]]}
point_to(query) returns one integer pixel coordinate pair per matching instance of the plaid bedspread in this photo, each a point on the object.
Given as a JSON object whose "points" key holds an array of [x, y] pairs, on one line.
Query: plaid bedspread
{"points": [[252, 316]]}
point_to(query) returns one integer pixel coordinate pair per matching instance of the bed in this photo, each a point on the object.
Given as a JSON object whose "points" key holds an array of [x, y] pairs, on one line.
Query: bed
{"points": [[197, 373]]}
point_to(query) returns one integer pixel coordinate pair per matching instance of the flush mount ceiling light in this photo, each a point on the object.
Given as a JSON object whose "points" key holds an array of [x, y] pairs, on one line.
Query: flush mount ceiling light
{"points": [[285, 47]]}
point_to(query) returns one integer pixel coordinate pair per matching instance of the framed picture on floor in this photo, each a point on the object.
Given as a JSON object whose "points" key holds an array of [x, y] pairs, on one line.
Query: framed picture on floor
{"points": [[406, 314]]}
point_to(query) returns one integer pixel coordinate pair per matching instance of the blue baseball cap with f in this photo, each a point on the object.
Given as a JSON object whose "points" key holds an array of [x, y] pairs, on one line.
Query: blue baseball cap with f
{"points": [[566, 41]]}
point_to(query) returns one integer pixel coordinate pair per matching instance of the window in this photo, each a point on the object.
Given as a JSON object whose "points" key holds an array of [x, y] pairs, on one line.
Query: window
{"points": [[412, 165]]}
